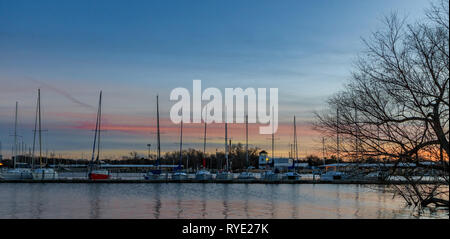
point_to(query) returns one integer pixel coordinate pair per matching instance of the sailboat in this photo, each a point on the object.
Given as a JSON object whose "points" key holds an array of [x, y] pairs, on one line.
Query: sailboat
{"points": [[16, 173], [335, 174], [41, 172], [226, 174], [292, 175], [156, 173], [271, 175], [95, 172], [246, 175], [204, 174], [180, 175]]}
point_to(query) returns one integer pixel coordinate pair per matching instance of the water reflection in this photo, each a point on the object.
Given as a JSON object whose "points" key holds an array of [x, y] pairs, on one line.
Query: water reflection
{"points": [[356, 214], [246, 201], [13, 201], [202, 201], [338, 202], [294, 197], [272, 200], [157, 201], [225, 194], [179, 196], [94, 201]]}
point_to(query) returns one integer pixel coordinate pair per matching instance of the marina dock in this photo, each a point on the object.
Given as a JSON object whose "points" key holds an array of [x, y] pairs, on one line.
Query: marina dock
{"points": [[234, 181]]}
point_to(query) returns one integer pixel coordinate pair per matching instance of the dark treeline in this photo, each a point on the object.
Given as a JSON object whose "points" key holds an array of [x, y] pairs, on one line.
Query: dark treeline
{"points": [[191, 158]]}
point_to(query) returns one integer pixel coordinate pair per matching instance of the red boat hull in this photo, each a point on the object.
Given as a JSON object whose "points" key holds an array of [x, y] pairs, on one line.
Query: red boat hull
{"points": [[96, 176]]}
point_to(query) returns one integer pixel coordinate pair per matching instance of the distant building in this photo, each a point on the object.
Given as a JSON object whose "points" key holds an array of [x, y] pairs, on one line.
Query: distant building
{"points": [[264, 159]]}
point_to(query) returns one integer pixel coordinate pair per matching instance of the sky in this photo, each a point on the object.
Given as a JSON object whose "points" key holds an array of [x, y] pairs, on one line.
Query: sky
{"points": [[135, 50]]}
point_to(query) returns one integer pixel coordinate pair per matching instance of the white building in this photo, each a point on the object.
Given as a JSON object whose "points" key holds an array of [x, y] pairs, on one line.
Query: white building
{"points": [[264, 159]]}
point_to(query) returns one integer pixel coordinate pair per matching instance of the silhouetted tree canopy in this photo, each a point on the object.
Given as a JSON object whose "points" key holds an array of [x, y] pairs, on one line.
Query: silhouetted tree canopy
{"points": [[396, 104]]}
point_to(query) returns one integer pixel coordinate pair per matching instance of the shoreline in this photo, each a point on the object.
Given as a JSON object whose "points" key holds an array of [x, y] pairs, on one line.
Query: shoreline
{"points": [[234, 181]]}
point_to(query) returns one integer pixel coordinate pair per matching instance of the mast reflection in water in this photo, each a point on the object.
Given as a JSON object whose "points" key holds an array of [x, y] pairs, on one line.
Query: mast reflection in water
{"points": [[202, 201]]}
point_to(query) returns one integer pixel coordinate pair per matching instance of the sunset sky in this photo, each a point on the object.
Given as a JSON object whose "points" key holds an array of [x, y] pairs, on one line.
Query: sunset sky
{"points": [[134, 50]]}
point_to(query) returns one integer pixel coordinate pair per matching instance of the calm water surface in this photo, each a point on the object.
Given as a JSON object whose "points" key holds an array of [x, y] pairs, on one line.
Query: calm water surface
{"points": [[171, 200]]}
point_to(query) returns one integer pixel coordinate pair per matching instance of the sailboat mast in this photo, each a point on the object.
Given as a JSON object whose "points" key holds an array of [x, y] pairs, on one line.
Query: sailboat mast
{"points": [[99, 126], [181, 142], [273, 146], [273, 140], [323, 150], [291, 152], [378, 143], [226, 141], [246, 140], [95, 133], [40, 129], [295, 144], [229, 150], [204, 141], [337, 134], [158, 133], [34, 135], [204, 138], [356, 135], [15, 136]]}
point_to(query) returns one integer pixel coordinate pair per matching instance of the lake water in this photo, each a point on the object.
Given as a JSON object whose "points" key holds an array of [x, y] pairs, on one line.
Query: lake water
{"points": [[172, 200]]}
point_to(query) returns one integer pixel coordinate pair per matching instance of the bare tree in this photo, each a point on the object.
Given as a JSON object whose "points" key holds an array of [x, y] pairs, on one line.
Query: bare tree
{"points": [[396, 104]]}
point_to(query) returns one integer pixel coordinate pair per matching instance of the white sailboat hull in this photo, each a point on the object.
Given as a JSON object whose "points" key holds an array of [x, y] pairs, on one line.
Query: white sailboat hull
{"points": [[291, 176], [152, 176], [44, 174], [16, 174], [270, 176], [246, 176], [179, 176], [224, 176], [333, 176], [203, 175]]}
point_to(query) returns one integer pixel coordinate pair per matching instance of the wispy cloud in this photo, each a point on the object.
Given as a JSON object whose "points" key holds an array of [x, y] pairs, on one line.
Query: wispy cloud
{"points": [[61, 92]]}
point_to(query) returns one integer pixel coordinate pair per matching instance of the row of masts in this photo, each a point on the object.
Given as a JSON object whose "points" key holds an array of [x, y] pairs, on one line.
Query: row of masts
{"points": [[37, 133], [37, 130], [97, 136], [227, 146], [294, 146]]}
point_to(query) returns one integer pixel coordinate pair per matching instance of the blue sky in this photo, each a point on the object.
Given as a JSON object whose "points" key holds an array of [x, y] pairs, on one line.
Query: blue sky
{"points": [[133, 50]]}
